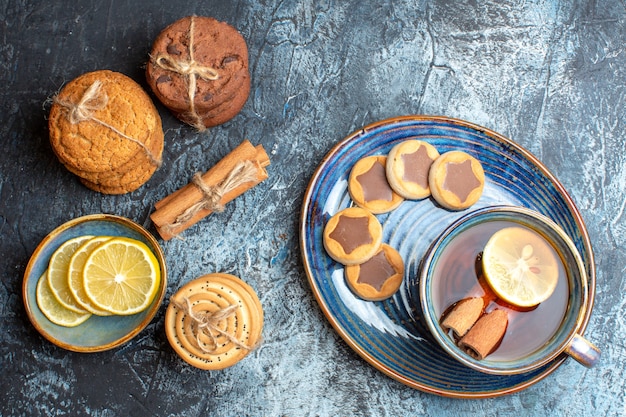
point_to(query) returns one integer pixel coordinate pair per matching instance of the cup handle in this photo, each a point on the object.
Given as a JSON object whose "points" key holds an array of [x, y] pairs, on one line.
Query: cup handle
{"points": [[583, 351]]}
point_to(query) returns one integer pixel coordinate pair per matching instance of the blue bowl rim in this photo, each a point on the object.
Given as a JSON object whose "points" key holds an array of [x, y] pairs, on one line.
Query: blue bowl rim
{"points": [[524, 216], [158, 252]]}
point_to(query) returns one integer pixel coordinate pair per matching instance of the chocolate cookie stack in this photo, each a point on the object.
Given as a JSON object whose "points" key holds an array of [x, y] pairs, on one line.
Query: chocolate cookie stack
{"points": [[105, 129], [198, 69]]}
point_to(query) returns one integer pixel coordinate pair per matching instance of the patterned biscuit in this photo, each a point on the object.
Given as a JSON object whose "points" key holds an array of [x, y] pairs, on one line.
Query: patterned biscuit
{"points": [[352, 236], [408, 164], [456, 180], [369, 188], [214, 321], [377, 278]]}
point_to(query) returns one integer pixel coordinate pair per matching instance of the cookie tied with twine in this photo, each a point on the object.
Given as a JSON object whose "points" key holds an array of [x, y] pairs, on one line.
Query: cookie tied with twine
{"points": [[214, 321], [198, 68], [105, 129], [236, 173]]}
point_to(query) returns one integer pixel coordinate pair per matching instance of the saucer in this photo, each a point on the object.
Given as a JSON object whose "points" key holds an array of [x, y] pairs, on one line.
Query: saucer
{"points": [[390, 334], [98, 333]]}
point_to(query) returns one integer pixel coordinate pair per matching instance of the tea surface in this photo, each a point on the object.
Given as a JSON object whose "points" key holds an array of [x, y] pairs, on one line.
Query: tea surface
{"points": [[458, 275]]}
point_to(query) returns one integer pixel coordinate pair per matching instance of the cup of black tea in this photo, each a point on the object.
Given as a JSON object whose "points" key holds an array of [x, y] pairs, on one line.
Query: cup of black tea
{"points": [[476, 323]]}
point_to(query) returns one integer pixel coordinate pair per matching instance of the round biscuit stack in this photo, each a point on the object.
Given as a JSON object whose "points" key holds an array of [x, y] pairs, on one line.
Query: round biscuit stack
{"points": [[105, 129], [198, 69], [214, 321]]}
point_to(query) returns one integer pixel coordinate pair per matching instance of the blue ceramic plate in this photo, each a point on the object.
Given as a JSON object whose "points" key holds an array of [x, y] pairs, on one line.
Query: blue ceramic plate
{"points": [[390, 334], [97, 333]]}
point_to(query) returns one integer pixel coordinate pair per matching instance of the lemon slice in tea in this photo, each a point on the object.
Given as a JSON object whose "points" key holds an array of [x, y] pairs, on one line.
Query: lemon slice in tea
{"points": [[121, 276], [520, 266], [52, 309]]}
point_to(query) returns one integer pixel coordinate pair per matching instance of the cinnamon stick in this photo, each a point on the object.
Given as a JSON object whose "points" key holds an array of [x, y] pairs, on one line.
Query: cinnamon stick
{"points": [[236, 173], [463, 315], [485, 336]]}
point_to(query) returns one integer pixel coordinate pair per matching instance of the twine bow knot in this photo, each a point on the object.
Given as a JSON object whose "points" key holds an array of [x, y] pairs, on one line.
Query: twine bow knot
{"points": [[243, 172], [94, 99], [207, 324], [191, 70]]}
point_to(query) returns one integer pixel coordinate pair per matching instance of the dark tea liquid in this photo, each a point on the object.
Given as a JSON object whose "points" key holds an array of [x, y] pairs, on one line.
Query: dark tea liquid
{"points": [[458, 275]]}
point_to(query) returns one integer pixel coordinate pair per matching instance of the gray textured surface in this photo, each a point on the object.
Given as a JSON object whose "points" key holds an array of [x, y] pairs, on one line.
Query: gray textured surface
{"points": [[548, 74]]}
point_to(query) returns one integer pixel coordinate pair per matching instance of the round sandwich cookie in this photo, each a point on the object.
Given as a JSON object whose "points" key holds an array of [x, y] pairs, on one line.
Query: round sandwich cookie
{"points": [[214, 321], [456, 180], [377, 278], [198, 69], [352, 236], [104, 128], [407, 168], [369, 188]]}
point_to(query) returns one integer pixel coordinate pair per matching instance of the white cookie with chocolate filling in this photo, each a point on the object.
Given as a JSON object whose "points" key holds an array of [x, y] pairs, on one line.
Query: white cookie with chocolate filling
{"points": [[352, 236], [377, 278], [456, 180], [369, 188], [407, 168]]}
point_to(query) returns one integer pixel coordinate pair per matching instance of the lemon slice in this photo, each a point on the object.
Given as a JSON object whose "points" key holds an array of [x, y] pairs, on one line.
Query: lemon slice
{"points": [[52, 309], [58, 270], [520, 266], [121, 276], [75, 277]]}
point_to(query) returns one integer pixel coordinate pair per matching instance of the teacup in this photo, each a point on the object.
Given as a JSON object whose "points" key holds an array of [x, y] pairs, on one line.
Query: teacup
{"points": [[533, 338]]}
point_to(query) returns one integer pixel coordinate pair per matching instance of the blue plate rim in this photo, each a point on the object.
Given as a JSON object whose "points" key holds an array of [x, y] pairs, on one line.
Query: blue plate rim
{"points": [[362, 350]]}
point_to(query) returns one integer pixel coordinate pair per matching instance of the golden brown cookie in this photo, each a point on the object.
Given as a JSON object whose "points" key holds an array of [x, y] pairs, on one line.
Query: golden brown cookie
{"points": [[407, 168], [138, 169], [369, 188], [377, 278], [214, 321], [352, 236], [456, 180], [198, 69], [105, 129]]}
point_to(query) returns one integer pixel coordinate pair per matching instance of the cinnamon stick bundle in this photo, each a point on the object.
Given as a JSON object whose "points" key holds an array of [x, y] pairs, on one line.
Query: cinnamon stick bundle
{"points": [[236, 173]]}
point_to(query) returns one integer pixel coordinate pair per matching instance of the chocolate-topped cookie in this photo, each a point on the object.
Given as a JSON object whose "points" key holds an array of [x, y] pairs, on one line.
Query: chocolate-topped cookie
{"points": [[352, 236], [198, 69], [369, 188], [377, 278], [456, 180], [407, 168]]}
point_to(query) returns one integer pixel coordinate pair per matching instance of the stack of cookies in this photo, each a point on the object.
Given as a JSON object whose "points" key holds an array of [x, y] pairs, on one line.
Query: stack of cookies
{"points": [[198, 69], [105, 129], [214, 321]]}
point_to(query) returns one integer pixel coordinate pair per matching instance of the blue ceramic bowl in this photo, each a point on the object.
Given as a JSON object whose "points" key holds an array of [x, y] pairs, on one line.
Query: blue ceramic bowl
{"points": [[574, 283], [98, 333], [390, 334]]}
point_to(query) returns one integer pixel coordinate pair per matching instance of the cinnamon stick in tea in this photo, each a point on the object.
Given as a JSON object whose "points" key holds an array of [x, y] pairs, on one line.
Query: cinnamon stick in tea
{"points": [[485, 336], [236, 173], [463, 315]]}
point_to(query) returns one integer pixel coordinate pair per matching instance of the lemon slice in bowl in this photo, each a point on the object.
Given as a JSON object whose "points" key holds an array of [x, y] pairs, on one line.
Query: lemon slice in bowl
{"points": [[75, 274], [52, 309], [58, 270], [121, 276], [520, 266]]}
